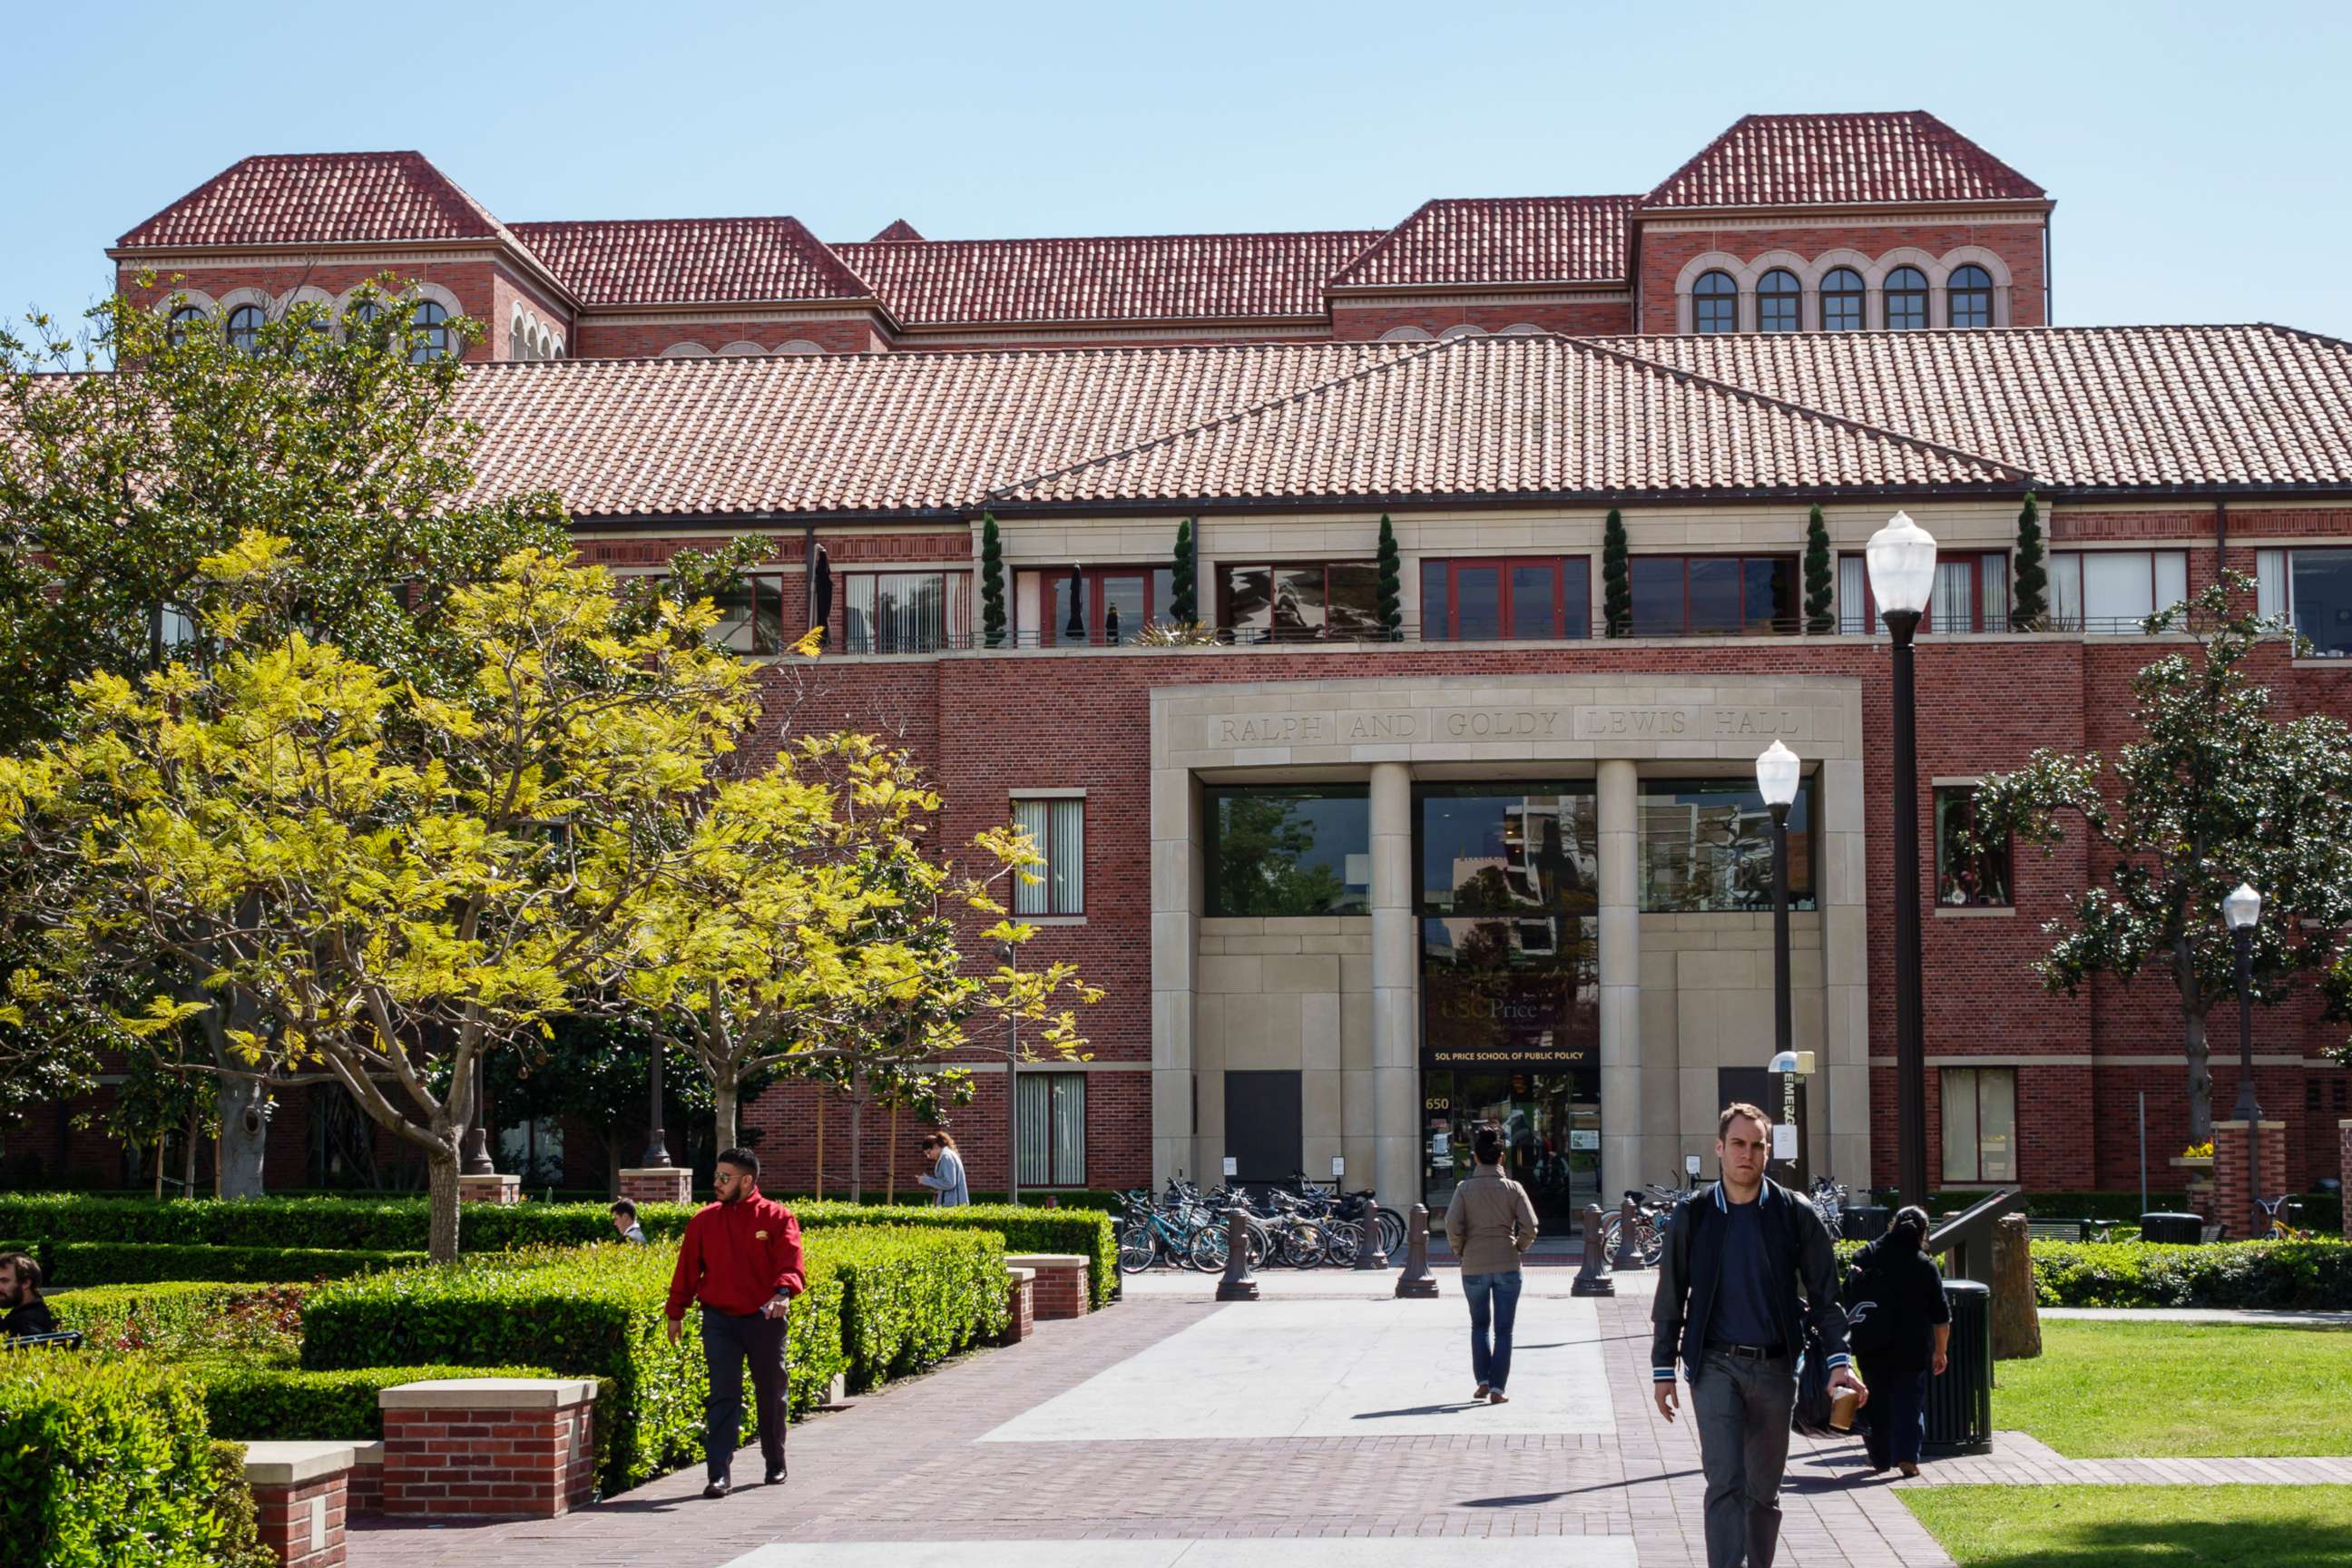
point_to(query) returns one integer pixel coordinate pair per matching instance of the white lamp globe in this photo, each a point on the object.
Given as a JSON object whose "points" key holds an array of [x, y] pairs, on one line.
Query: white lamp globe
{"points": [[1785, 1062], [2242, 908], [1902, 558], [1776, 775]]}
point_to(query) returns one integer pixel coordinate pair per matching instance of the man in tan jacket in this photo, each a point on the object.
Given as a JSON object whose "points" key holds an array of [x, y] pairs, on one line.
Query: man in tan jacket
{"points": [[1489, 1223]]}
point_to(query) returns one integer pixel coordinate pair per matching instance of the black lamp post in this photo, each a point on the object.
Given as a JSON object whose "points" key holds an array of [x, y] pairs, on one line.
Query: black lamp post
{"points": [[1776, 776], [1902, 558], [656, 1138], [1005, 954], [2241, 911]]}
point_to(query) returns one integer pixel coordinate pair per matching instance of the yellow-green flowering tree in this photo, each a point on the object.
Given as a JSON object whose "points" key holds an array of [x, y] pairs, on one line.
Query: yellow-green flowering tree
{"points": [[370, 880], [810, 933]]}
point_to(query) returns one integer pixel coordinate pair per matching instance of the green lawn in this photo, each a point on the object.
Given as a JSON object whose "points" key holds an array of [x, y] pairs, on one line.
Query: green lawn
{"points": [[2102, 1390], [2140, 1527]]}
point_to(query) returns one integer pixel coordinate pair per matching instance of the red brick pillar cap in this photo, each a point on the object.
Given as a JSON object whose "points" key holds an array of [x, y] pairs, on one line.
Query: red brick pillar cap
{"points": [[487, 1393], [1024, 1276], [296, 1464]]}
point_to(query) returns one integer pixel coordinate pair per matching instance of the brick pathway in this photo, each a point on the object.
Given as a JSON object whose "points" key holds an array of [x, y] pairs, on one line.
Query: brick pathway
{"points": [[911, 1464]]}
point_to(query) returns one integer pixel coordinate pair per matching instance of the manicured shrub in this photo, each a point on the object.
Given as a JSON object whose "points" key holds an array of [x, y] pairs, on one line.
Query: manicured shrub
{"points": [[342, 1222], [105, 1463], [1085, 1232], [2312, 1276], [83, 1263], [179, 1320], [912, 1297], [592, 1312], [259, 1402]]}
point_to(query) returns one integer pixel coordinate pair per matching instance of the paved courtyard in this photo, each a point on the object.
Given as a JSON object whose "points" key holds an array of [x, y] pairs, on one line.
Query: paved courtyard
{"points": [[1325, 1424]]}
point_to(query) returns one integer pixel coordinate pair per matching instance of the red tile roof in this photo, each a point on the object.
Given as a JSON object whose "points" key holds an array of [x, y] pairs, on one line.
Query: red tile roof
{"points": [[1513, 417], [283, 198], [1839, 160], [899, 229], [1177, 276], [1510, 239], [2191, 408], [649, 261], [889, 433]]}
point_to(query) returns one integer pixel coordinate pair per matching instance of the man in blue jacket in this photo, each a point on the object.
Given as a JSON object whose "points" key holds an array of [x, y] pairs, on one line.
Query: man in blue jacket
{"points": [[1737, 1255]]}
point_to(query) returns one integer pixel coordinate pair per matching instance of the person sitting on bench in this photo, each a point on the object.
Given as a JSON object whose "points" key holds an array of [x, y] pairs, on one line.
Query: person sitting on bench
{"points": [[23, 1313]]}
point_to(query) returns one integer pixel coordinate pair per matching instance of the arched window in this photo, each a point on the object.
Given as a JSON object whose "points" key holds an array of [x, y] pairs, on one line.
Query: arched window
{"points": [[1841, 300], [360, 314], [1406, 335], [1906, 300], [182, 319], [1777, 297], [1971, 296], [1715, 303], [515, 344], [244, 328], [1460, 329], [433, 329]]}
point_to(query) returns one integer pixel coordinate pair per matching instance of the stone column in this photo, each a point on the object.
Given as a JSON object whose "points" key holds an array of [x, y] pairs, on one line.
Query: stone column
{"points": [[1396, 1032], [1175, 970], [1620, 791]]}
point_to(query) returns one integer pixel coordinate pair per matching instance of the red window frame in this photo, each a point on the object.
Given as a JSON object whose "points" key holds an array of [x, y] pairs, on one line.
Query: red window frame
{"points": [[1049, 633], [1976, 560], [1503, 565], [1795, 618], [1225, 570]]}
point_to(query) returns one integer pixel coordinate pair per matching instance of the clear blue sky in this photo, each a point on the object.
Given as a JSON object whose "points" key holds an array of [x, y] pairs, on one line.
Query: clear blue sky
{"points": [[2198, 153]]}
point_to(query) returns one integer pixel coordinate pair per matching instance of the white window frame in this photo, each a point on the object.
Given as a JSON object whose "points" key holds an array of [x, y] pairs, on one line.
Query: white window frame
{"points": [[1052, 1128], [2067, 588], [1951, 1079]]}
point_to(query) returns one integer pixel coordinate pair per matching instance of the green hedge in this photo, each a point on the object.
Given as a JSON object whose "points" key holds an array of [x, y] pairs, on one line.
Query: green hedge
{"points": [[261, 1402], [401, 1224], [585, 1312], [912, 1297], [2309, 1275], [105, 1463], [76, 1263], [1085, 1232], [179, 1320]]}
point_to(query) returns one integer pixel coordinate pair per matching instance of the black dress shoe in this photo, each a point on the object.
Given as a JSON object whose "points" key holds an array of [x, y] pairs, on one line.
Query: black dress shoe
{"points": [[715, 1490], [775, 1477]]}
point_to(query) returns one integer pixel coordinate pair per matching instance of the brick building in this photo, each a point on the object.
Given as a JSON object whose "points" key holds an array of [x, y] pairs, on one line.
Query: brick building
{"points": [[1350, 896]]}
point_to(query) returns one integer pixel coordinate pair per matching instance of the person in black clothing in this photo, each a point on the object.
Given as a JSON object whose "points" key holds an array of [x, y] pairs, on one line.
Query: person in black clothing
{"points": [[1900, 1328], [1729, 1307], [22, 1310]]}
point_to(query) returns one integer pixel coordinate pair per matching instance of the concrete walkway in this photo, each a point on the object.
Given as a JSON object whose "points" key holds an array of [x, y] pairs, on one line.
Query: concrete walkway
{"points": [[1325, 1425]]}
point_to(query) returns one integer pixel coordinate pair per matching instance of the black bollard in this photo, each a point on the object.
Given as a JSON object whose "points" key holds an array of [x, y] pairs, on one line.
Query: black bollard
{"points": [[1628, 1254], [1236, 1285], [1590, 1280], [1367, 1252], [1416, 1281]]}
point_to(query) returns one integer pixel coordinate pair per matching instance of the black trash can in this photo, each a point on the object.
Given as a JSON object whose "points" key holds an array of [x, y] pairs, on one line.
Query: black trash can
{"points": [[1959, 1403], [2186, 1229], [1865, 1222]]}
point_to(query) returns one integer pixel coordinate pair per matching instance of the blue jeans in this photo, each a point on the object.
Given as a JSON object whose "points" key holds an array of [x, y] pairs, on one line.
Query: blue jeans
{"points": [[1495, 1297]]}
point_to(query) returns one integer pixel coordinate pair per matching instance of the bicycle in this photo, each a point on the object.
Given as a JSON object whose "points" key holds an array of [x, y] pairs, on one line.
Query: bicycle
{"points": [[1649, 1229], [2280, 1230]]}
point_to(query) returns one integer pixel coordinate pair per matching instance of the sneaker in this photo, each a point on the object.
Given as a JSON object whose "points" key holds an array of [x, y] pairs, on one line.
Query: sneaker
{"points": [[715, 1490], [775, 1478]]}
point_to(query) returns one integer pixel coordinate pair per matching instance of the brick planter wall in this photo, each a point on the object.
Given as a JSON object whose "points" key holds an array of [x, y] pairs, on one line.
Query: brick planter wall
{"points": [[487, 1446], [1023, 1321], [659, 1184], [1060, 1287], [300, 1499], [489, 1189], [367, 1481], [2234, 1206]]}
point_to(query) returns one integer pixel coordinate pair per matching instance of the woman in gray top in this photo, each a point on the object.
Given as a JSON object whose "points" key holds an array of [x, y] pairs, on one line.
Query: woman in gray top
{"points": [[945, 1178], [1489, 1223]]}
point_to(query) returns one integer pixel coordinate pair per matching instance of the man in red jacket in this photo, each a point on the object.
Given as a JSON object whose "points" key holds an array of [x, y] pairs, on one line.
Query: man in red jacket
{"points": [[741, 1259]]}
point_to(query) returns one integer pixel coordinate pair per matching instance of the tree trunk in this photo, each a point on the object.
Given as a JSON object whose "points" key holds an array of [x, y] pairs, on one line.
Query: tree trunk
{"points": [[2201, 1078], [890, 1159], [156, 1155], [2016, 1320], [188, 1154], [612, 1163], [441, 1178], [819, 1189], [858, 1138], [724, 1093], [239, 1168]]}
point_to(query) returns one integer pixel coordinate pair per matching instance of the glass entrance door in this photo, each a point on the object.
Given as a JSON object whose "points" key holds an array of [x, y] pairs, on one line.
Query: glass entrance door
{"points": [[1551, 1124]]}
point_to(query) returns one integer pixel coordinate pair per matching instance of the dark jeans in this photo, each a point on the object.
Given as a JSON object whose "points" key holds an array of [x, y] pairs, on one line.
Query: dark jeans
{"points": [[728, 1342], [1898, 1413], [1494, 1297], [1742, 1410]]}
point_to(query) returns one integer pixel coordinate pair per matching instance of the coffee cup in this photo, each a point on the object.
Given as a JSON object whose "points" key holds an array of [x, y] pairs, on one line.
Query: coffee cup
{"points": [[1842, 1405]]}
